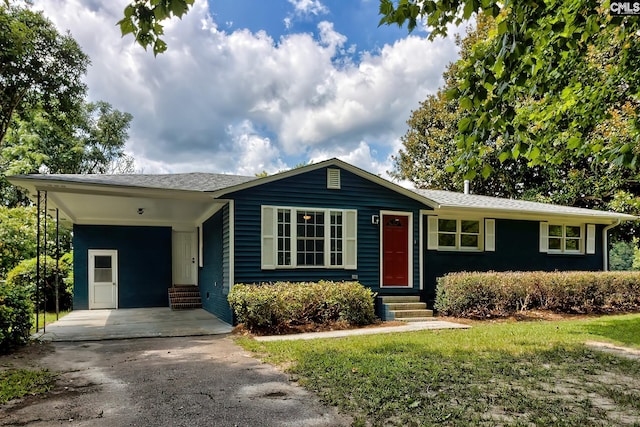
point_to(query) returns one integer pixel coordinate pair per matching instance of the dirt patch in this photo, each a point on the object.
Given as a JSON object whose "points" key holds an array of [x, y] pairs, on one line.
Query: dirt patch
{"points": [[629, 353]]}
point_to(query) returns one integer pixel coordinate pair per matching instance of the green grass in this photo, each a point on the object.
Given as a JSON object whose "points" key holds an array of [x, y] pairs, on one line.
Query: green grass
{"points": [[46, 317], [15, 383], [512, 374]]}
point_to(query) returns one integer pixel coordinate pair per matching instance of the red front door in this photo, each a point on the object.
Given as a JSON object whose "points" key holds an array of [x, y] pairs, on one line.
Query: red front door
{"points": [[395, 250]]}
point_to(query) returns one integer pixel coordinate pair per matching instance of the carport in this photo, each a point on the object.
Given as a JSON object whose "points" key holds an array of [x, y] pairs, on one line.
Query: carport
{"points": [[97, 325]]}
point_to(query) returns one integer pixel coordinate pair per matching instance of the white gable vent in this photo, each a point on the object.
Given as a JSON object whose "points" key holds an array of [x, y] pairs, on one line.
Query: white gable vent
{"points": [[333, 179]]}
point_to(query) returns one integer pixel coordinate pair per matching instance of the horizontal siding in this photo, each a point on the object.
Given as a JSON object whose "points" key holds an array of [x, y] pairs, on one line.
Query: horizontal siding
{"points": [[144, 263], [309, 190], [213, 289]]}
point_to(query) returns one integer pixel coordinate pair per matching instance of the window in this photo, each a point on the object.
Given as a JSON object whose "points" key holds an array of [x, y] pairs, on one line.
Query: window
{"points": [[563, 238], [458, 234], [308, 237]]}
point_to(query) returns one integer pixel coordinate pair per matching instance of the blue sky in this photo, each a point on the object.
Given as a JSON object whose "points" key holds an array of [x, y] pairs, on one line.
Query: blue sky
{"points": [[250, 85]]}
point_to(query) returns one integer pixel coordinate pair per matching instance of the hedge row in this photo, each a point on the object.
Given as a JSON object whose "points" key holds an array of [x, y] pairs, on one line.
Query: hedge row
{"points": [[502, 294], [16, 312], [283, 306]]}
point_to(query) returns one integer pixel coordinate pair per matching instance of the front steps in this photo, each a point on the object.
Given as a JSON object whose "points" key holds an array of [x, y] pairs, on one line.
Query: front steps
{"points": [[184, 297], [405, 309]]}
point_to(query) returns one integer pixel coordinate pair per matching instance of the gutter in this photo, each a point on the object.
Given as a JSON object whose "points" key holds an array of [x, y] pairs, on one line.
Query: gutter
{"points": [[605, 244]]}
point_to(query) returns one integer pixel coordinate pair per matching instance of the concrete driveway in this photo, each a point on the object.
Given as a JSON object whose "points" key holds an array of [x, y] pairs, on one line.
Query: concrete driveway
{"points": [[96, 325]]}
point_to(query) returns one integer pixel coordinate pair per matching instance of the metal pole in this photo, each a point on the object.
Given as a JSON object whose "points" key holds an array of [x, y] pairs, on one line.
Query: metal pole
{"points": [[44, 274], [57, 276], [38, 263]]}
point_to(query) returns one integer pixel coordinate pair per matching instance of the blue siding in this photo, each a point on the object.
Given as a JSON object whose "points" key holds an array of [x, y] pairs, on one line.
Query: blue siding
{"points": [[310, 190], [213, 288], [517, 249], [144, 258]]}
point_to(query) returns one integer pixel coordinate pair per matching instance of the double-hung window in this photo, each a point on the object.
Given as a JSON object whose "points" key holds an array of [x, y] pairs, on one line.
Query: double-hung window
{"points": [[460, 234], [567, 238], [308, 237]]}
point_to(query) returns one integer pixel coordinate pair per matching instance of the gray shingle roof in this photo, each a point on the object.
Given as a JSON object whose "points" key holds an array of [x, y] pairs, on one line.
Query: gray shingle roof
{"points": [[210, 182], [452, 199], [196, 181]]}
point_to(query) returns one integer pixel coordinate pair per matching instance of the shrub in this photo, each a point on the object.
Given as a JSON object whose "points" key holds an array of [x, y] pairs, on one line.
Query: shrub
{"points": [[502, 294], [24, 275], [283, 306], [16, 312]]}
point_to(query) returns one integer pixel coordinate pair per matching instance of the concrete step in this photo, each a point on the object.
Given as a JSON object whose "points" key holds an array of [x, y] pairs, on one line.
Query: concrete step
{"points": [[397, 306], [403, 314], [391, 299], [417, 319]]}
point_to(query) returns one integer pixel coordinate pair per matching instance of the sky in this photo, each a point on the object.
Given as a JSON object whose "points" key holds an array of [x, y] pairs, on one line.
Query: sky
{"points": [[248, 86]]}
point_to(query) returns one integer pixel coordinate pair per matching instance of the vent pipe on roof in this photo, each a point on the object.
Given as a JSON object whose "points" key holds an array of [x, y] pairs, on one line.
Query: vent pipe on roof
{"points": [[467, 187]]}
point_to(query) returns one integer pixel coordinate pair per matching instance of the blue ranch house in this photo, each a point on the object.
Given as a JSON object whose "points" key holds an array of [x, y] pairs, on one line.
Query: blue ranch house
{"points": [[135, 237]]}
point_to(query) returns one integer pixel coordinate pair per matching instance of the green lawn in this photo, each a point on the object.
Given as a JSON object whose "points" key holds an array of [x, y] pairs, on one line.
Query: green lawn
{"points": [[527, 373], [15, 383], [46, 317]]}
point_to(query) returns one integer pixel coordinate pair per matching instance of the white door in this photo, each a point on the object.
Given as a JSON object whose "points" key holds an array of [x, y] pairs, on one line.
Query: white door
{"points": [[185, 254], [103, 278]]}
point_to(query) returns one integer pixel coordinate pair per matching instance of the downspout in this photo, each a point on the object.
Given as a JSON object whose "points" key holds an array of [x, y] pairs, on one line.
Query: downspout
{"points": [[605, 244]]}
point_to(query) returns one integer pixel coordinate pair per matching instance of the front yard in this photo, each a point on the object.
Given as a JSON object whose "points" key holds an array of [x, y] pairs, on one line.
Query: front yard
{"points": [[506, 373]]}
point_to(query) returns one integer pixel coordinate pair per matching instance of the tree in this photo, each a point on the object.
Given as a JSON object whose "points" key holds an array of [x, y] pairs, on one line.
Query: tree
{"points": [[430, 153], [39, 67], [90, 142], [621, 256], [550, 81]]}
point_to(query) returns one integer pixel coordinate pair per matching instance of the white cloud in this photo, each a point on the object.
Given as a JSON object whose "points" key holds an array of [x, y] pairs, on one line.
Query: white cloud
{"points": [[309, 7], [243, 102]]}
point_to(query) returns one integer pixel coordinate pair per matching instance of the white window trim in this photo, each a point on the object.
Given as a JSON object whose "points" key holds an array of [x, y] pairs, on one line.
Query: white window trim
{"points": [[269, 253], [584, 239], [434, 232]]}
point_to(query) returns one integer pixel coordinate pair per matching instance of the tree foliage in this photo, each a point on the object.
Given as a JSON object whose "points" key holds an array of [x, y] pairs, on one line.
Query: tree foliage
{"points": [[46, 125], [38, 67], [431, 153], [18, 237], [552, 80], [143, 19]]}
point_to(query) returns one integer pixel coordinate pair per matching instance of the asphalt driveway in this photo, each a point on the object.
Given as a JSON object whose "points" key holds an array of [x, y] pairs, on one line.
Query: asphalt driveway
{"points": [[177, 381]]}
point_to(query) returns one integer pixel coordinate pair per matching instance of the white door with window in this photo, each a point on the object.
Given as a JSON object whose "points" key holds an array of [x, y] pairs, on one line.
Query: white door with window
{"points": [[185, 258], [103, 278]]}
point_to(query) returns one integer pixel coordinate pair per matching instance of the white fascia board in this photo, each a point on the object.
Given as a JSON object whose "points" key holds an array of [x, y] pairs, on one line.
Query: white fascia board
{"points": [[598, 217], [33, 184]]}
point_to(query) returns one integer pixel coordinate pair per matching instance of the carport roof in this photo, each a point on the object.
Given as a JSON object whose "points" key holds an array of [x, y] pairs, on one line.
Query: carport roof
{"points": [[196, 181]]}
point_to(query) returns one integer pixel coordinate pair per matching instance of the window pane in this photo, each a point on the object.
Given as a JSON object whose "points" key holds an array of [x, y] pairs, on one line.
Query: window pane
{"points": [[102, 261], [555, 244], [572, 245], [448, 240], [555, 230], [573, 231], [447, 225], [470, 226], [102, 275], [469, 240]]}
